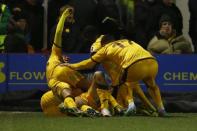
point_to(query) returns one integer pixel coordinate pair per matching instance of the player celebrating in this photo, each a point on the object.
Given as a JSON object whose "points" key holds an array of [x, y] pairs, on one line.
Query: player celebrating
{"points": [[62, 80], [98, 97], [137, 63], [122, 92]]}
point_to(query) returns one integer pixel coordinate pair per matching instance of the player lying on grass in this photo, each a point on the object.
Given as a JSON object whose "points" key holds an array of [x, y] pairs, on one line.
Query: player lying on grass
{"points": [[98, 97], [137, 63], [64, 82], [123, 94], [61, 79]]}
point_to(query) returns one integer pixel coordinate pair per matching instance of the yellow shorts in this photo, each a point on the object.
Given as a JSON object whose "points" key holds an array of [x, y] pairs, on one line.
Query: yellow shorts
{"points": [[142, 70], [57, 87]]}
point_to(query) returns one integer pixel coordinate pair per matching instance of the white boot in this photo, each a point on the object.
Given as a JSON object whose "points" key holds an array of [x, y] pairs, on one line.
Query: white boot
{"points": [[105, 112], [131, 109]]}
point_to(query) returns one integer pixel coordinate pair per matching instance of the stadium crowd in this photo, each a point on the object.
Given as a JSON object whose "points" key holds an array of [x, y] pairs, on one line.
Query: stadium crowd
{"points": [[107, 30], [21, 24]]}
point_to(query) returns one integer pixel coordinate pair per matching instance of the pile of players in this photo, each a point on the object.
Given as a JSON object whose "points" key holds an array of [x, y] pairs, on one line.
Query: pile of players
{"points": [[73, 93]]}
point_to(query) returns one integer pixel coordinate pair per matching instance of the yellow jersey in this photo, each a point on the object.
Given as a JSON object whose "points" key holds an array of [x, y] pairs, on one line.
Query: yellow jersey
{"points": [[54, 70], [113, 70], [121, 52]]}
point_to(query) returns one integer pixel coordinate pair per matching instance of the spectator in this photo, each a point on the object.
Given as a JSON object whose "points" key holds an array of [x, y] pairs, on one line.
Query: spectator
{"points": [[143, 11], [4, 18], [164, 7], [84, 12], [35, 14], [85, 16], [126, 12], [12, 3], [173, 11], [193, 22], [166, 40], [168, 7], [88, 36], [15, 41], [108, 17]]}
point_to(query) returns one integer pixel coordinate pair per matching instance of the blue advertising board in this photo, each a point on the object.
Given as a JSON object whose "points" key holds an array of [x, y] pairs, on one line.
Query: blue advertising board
{"points": [[177, 72], [27, 72], [3, 73]]}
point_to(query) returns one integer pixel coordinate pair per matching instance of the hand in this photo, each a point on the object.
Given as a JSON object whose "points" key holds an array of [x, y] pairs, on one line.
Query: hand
{"points": [[69, 14], [68, 11]]}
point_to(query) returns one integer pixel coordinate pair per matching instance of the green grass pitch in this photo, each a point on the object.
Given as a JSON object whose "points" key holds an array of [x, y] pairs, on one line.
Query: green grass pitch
{"points": [[36, 121]]}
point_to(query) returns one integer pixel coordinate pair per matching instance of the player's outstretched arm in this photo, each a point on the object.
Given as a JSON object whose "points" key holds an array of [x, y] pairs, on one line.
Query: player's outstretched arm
{"points": [[83, 65], [60, 27]]}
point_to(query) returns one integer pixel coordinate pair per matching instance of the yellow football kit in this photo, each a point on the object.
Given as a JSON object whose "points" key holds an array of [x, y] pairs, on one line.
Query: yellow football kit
{"points": [[138, 63], [113, 70], [122, 52], [49, 104], [129, 56], [104, 100], [60, 76], [61, 79], [124, 94]]}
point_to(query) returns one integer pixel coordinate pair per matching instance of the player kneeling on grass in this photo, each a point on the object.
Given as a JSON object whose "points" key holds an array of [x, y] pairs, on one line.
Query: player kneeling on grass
{"points": [[97, 101], [61, 79], [50, 105]]}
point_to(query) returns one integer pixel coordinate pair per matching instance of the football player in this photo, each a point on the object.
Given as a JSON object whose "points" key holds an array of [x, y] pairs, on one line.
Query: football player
{"points": [[99, 97], [137, 64], [62, 79], [124, 93]]}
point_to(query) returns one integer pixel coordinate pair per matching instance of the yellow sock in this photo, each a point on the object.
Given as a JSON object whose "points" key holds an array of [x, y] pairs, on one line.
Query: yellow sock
{"points": [[69, 102], [84, 108], [155, 94], [144, 99], [104, 104]]}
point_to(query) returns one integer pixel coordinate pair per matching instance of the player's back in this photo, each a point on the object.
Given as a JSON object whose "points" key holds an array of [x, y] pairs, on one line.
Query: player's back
{"points": [[122, 52], [54, 60]]}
